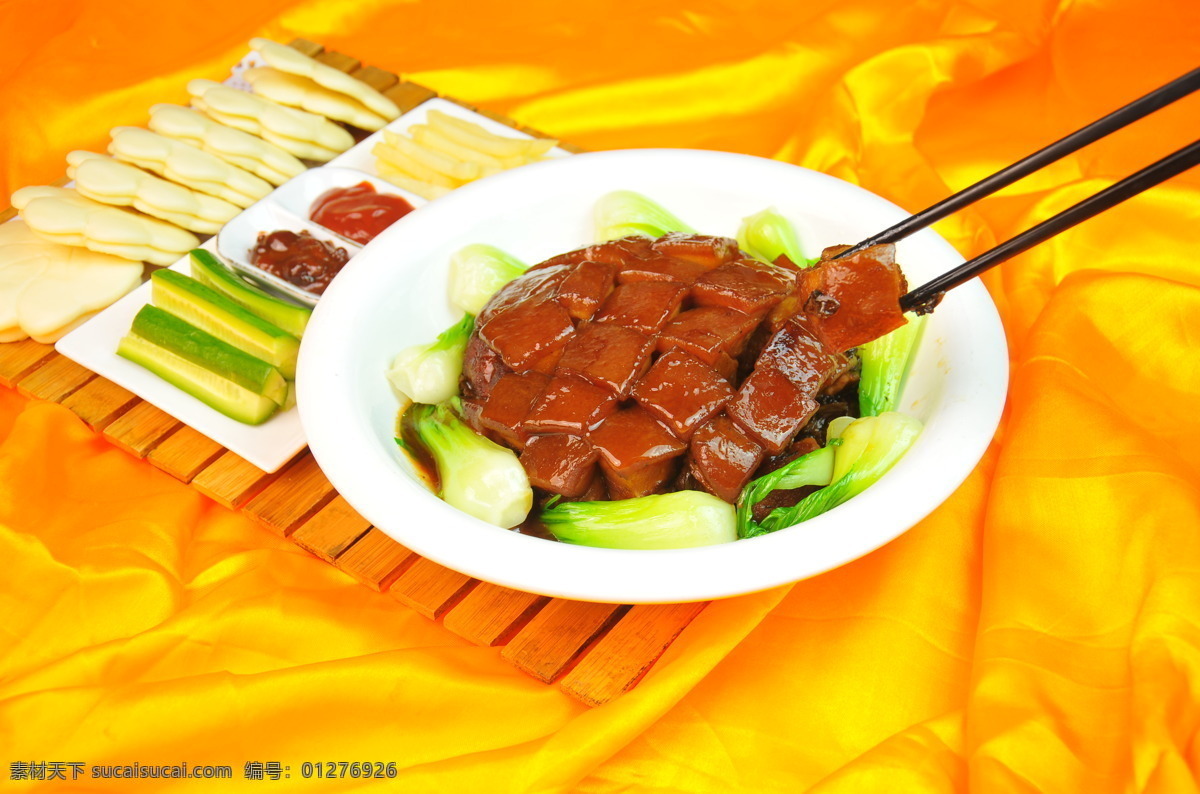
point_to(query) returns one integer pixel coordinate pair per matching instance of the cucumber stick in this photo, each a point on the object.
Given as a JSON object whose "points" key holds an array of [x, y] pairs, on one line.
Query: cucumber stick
{"points": [[187, 344], [211, 311], [289, 316], [220, 393]]}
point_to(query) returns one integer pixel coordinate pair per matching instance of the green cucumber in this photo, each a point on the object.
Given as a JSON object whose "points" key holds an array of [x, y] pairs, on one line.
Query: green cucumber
{"points": [[220, 393], [211, 311], [291, 317], [201, 348]]}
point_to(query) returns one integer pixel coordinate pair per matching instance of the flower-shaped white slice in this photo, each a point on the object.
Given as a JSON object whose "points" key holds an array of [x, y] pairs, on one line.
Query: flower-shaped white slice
{"points": [[20, 264], [301, 92], [271, 119], [297, 148], [63, 216], [239, 148], [48, 289], [110, 181], [286, 59], [183, 163]]}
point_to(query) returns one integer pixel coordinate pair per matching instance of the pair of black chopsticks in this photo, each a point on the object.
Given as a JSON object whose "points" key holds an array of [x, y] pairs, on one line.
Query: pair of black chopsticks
{"points": [[924, 298]]}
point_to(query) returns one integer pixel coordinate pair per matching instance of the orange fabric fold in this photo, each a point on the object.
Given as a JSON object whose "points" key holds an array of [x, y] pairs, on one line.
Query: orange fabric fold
{"points": [[1037, 633]]}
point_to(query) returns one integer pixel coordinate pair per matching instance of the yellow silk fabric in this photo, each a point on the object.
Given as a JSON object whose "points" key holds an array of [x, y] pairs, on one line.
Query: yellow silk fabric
{"points": [[1038, 633]]}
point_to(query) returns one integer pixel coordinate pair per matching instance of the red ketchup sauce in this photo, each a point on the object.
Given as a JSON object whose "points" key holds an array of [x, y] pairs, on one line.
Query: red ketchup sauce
{"points": [[299, 258], [358, 212]]}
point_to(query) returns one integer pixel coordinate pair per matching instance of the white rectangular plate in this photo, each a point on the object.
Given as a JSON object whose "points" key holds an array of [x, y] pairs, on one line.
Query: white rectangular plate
{"points": [[273, 443], [94, 345]]}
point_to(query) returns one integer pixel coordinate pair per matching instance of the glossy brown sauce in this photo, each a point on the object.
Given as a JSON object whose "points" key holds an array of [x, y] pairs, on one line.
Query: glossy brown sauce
{"points": [[417, 452], [298, 258]]}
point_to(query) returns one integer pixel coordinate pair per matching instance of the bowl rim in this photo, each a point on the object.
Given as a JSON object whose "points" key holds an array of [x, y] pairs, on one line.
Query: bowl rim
{"points": [[562, 570]]}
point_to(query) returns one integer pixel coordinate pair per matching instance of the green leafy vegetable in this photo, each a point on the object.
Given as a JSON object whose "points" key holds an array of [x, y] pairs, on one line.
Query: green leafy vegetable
{"points": [[477, 476], [477, 272], [624, 213], [864, 450], [429, 373], [665, 521], [885, 365], [815, 468], [767, 234]]}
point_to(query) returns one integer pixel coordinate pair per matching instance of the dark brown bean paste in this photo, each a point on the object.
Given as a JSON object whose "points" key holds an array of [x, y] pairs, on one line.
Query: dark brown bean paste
{"points": [[299, 258]]}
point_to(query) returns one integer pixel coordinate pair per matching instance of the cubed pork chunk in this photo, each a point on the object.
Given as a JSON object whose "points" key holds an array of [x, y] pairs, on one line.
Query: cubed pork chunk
{"points": [[582, 292], [770, 408], [662, 268], [631, 438], [644, 480], [682, 392], [637, 454], [644, 306], [708, 331], [747, 287], [532, 284], [848, 302], [800, 357], [722, 458], [509, 404], [527, 333], [620, 252], [701, 249], [607, 355], [570, 405], [560, 463]]}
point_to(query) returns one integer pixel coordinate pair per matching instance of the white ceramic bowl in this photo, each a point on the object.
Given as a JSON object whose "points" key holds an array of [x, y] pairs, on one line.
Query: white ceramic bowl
{"points": [[393, 294]]}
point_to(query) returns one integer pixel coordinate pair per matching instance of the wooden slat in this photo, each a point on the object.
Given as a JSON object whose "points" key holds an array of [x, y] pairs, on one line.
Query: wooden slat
{"points": [[376, 78], [54, 379], [8, 214], [529, 130], [231, 480], [333, 529], [375, 560], [623, 655], [18, 359], [185, 453], [141, 429], [100, 401], [293, 497], [493, 115], [557, 634], [491, 614], [597, 650], [431, 589], [339, 61], [408, 95], [309, 48]]}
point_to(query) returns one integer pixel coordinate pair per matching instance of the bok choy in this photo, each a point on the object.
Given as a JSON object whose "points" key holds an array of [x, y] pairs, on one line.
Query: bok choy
{"points": [[624, 213], [815, 468], [863, 450], [767, 234], [664, 521], [885, 365], [477, 272], [477, 476], [429, 373]]}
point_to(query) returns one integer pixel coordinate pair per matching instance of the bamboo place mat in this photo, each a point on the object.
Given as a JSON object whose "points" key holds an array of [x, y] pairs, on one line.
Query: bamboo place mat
{"points": [[593, 652]]}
